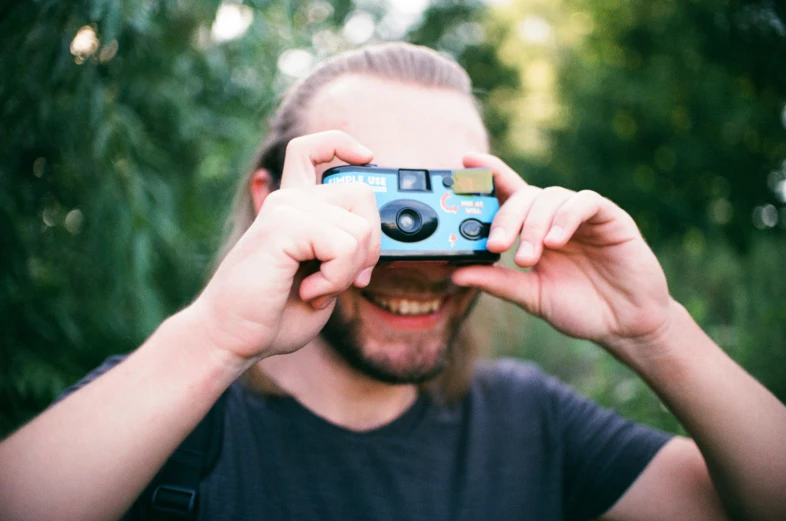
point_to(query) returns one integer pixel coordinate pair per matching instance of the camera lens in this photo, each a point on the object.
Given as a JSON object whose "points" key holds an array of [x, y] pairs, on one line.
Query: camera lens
{"points": [[408, 220]]}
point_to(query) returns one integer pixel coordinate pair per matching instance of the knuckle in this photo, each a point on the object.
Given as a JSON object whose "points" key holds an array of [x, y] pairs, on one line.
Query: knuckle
{"points": [[361, 190], [537, 220], [529, 192], [295, 144], [374, 251], [347, 245], [276, 197], [365, 232], [368, 191], [590, 195], [534, 225], [557, 190], [520, 198], [336, 134], [278, 201]]}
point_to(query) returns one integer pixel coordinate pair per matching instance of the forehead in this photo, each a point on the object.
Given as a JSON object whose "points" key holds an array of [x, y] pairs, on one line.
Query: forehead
{"points": [[405, 125]]}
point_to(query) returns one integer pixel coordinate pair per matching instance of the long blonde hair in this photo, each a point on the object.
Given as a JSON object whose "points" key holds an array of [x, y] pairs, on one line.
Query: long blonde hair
{"points": [[395, 61]]}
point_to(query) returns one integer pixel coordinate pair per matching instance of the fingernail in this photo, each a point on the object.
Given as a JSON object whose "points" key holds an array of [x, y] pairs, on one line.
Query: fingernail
{"points": [[327, 303], [364, 277], [497, 235], [526, 250], [459, 279], [461, 283], [364, 150], [555, 233], [322, 302]]}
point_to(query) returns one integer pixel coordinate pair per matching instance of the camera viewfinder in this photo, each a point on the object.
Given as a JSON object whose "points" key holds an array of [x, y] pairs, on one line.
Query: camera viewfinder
{"points": [[413, 181]]}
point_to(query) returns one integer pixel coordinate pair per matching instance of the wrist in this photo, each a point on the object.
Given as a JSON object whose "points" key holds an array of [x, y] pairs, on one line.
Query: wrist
{"points": [[666, 348], [192, 327]]}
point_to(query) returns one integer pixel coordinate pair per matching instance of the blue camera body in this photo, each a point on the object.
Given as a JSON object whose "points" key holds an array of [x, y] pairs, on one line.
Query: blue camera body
{"points": [[429, 215]]}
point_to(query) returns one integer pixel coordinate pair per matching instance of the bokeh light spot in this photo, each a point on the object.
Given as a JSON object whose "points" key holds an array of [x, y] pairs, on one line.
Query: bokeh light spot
{"points": [[74, 220], [295, 62], [624, 125], [534, 29], [359, 27], [232, 21], [665, 158], [84, 44], [108, 51], [721, 211], [765, 216], [38, 166], [409, 6], [319, 11]]}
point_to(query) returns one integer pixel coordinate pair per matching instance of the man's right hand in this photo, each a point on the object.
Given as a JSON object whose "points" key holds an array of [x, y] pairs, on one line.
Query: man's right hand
{"points": [[263, 299]]}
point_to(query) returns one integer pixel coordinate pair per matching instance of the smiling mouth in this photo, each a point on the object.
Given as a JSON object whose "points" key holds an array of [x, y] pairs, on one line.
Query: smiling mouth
{"points": [[406, 306]]}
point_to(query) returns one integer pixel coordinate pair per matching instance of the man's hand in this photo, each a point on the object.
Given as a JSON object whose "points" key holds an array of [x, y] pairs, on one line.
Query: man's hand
{"points": [[591, 273], [264, 299]]}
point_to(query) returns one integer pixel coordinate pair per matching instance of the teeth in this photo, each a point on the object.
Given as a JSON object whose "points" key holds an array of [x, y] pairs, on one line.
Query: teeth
{"points": [[403, 306]]}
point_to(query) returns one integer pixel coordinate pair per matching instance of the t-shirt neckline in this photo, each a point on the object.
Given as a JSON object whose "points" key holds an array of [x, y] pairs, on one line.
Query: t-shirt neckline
{"points": [[402, 424]]}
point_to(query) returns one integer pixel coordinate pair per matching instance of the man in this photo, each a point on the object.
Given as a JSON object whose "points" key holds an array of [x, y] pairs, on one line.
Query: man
{"points": [[357, 418]]}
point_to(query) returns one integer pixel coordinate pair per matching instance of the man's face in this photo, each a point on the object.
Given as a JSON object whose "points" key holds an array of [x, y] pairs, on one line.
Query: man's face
{"points": [[399, 329]]}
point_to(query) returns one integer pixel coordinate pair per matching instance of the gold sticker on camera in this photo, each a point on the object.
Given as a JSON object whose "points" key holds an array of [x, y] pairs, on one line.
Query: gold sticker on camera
{"points": [[473, 181]]}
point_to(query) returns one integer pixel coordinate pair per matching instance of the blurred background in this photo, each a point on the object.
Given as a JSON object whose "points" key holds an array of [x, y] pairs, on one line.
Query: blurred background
{"points": [[125, 125]]}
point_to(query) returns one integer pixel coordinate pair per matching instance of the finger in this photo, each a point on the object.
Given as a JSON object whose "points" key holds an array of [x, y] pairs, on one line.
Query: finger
{"points": [[513, 285], [291, 223], [357, 198], [366, 233], [340, 263], [509, 218], [315, 202], [506, 180], [305, 152], [592, 208], [538, 223]]}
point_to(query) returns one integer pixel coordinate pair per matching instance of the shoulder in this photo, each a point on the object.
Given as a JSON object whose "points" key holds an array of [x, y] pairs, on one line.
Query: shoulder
{"points": [[514, 392], [520, 391], [510, 378], [507, 370]]}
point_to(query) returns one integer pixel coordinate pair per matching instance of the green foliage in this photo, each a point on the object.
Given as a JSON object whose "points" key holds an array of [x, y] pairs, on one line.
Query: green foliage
{"points": [[674, 110], [460, 30], [117, 166], [736, 298], [119, 158]]}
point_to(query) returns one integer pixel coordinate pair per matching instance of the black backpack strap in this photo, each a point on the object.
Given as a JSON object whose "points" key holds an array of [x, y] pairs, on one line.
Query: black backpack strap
{"points": [[173, 495]]}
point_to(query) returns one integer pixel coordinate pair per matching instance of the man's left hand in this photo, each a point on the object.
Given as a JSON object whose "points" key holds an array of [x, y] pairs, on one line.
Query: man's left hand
{"points": [[591, 274]]}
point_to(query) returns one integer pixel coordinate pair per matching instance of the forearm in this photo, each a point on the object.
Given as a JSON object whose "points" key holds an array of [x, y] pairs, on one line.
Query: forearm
{"points": [[738, 424], [90, 455]]}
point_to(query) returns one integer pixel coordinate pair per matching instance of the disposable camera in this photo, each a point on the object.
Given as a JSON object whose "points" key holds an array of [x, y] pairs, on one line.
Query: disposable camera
{"points": [[429, 215]]}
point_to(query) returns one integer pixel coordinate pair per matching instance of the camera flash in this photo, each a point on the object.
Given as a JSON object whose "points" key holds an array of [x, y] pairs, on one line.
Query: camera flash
{"points": [[472, 181]]}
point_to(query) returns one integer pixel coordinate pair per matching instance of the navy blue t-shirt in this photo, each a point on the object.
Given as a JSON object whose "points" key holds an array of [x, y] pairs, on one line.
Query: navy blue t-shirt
{"points": [[519, 446]]}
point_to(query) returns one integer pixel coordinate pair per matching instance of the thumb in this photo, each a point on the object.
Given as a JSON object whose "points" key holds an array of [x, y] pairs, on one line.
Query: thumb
{"points": [[516, 286]]}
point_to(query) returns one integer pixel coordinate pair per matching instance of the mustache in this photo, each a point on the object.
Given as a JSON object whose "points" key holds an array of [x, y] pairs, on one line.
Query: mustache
{"points": [[404, 284]]}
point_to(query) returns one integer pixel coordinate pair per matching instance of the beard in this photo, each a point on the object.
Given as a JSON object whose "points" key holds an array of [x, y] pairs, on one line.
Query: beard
{"points": [[426, 358]]}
